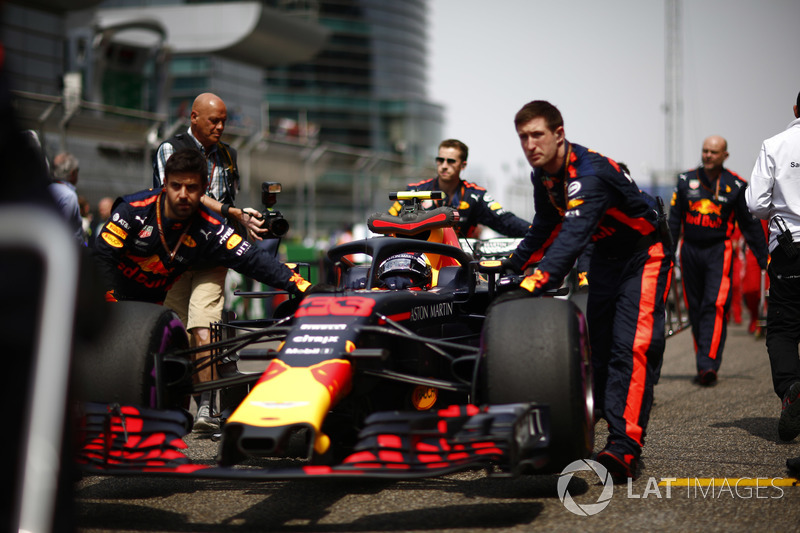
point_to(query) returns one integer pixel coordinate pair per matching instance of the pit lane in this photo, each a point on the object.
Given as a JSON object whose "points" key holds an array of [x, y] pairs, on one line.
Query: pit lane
{"points": [[727, 432]]}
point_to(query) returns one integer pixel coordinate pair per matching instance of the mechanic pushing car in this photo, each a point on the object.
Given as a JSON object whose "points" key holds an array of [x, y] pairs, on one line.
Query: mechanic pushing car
{"points": [[154, 236], [582, 197]]}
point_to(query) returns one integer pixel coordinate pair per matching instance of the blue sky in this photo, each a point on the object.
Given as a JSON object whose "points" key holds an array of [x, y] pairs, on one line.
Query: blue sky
{"points": [[602, 64]]}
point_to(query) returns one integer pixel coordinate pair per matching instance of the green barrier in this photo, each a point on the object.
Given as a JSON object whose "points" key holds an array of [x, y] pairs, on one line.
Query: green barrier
{"points": [[297, 253], [259, 308]]}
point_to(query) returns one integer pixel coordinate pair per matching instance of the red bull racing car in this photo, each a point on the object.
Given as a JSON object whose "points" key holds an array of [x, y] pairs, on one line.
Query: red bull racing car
{"points": [[419, 362]]}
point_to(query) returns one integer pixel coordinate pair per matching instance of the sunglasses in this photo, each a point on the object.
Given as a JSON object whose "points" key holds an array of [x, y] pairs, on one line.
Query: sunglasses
{"points": [[440, 160]]}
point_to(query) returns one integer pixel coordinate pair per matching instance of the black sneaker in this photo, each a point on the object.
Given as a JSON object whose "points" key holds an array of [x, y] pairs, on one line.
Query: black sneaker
{"points": [[706, 378], [789, 423], [621, 466]]}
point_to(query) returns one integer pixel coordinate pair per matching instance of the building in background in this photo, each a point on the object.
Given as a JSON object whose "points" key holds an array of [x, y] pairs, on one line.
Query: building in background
{"points": [[328, 97], [367, 87]]}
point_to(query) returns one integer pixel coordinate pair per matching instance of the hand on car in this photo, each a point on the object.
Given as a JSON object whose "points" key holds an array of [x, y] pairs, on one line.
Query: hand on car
{"points": [[535, 282], [508, 267]]}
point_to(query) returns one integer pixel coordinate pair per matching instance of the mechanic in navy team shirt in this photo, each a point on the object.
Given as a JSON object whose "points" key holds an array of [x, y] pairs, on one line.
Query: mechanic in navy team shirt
{"points": [[199, 295], [474, 204], [155, 235], [582, 197], [707, 203]]}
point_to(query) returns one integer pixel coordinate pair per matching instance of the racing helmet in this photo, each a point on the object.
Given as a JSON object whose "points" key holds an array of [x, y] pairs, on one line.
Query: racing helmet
{"points": [[404, 271]]}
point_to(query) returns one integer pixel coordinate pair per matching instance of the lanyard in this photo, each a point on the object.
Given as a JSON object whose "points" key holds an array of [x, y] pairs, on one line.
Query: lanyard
{"points": [[174, 251], [565, 168], [457, 195], [211, 174], [211, 160], [716, 185], [224, 193]]}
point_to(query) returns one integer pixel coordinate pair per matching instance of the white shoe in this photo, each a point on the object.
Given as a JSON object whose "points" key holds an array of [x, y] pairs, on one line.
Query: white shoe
{"points": [[204, 422]]}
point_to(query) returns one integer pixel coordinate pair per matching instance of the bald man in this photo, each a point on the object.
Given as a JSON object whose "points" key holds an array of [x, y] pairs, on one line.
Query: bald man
{"points": [[706, 205], [198, 295], [209, 114]]}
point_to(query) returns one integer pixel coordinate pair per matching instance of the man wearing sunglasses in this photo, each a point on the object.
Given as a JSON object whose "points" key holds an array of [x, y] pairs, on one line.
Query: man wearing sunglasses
{"points": [[474, 203]]}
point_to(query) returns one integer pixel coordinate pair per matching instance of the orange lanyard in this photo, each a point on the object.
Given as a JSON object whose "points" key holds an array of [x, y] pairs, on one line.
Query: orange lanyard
{"points": [[716, 186], [550, 196], [174, 251]]}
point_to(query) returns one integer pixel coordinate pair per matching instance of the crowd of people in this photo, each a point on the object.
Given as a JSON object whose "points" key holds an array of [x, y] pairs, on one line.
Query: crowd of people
{"points": [[157, 246]]}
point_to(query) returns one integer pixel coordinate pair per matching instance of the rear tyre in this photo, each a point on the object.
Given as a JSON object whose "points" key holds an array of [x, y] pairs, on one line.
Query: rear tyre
{"points": [[119, 365], [537, 350]]}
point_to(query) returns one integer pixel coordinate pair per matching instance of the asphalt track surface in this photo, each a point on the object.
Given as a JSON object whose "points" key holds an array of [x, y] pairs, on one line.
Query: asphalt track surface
{"points": [[727, 433]]}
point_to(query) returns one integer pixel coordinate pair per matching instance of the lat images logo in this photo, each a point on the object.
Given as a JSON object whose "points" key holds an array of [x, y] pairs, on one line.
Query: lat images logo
{"points": [[586, 509]]}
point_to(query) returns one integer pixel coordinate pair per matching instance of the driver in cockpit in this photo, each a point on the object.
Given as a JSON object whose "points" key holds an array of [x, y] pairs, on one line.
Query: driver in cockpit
{"points": [[407, 270]]}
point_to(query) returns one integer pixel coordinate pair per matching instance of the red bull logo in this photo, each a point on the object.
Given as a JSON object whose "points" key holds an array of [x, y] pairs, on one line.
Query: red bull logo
{"points": [[149, 271], [153, 264], [700, 214], [705, 206]]}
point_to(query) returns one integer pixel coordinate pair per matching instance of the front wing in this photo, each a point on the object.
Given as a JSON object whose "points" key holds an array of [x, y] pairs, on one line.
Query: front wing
{"points": [[118, 439]]}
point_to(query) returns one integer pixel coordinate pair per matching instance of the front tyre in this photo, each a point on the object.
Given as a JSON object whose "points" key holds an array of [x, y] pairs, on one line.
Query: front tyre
{"points": [[537, 350], [118, 366]]}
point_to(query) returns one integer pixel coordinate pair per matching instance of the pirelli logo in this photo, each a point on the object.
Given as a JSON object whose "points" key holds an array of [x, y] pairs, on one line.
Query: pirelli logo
{"points": [[116, 230]]}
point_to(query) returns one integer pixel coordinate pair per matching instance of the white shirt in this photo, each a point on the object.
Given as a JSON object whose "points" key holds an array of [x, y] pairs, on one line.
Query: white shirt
{"points": [[774, 187]]}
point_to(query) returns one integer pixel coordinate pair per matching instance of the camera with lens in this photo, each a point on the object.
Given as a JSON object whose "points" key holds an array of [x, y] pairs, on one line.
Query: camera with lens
{"points": [[274, 222]]}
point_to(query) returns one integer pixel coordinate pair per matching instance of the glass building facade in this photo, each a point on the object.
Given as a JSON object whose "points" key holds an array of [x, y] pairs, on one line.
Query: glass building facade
{"points": [[367, 88], [34, 49]]}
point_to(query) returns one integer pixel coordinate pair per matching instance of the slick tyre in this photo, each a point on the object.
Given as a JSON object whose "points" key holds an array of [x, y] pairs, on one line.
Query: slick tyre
{"points": [[537, 350], [118, 365]]}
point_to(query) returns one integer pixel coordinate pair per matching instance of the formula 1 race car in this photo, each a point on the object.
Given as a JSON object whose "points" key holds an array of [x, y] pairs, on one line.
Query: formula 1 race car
{"points": [[421, 362]]}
